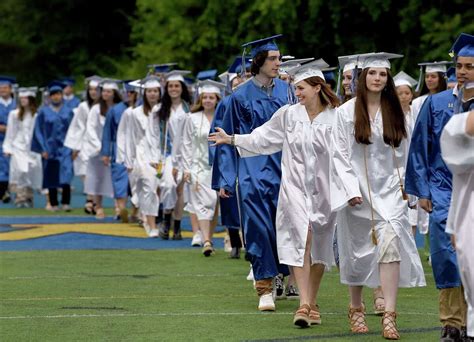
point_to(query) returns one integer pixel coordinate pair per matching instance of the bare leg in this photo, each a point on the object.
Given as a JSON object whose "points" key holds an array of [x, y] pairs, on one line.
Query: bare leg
{"points": [[389, 278], [207, 231], [194, 223], [302, 274], [179, 208], [356, 296], [316, 275], [151, 221]]}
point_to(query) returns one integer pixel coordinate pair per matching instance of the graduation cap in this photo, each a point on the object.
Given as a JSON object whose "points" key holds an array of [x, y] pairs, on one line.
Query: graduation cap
{"points": [[55, 87], [402, 78], [236, 66], [151, 81], [68, 81], [93, 81], [128, 86], [110, 84], [210, 86], [463, 46], [176, 75], [161, 68], [7, 80], [451, 75], [308, 70], [292, 63], [329, 74], [27, 91], [287, 58], [264, 44], [206, 74]]}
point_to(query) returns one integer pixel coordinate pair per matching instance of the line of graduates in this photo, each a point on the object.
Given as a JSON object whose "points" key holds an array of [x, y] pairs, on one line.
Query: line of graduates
{"points": [[291, 161]]}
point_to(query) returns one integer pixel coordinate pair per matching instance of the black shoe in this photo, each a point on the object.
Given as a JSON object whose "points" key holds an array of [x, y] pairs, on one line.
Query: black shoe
{"points": [[164, 233], [6, 197], [177, 236], [235, 253], [450, 334], [279, 287]]}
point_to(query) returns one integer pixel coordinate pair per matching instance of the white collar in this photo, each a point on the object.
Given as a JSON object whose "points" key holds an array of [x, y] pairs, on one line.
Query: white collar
{"points": [[68, 97], [6, 102]]}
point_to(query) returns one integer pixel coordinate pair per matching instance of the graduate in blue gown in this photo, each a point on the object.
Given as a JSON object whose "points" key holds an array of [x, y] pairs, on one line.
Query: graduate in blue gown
{"points": [[50, 130], [429, 179], [69, 98], [256, 181], [7, 104], [109, 152]]}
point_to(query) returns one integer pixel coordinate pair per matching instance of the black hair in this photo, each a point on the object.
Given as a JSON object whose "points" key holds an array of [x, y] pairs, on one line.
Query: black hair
{"points": [[257, 62], [165, 109]]}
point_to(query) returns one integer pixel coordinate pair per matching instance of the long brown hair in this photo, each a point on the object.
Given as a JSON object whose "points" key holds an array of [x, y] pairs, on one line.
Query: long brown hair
{"points": [[197, 107], [326, 95], [33, 107], [103, 105], [393, 119], [442, 85]]}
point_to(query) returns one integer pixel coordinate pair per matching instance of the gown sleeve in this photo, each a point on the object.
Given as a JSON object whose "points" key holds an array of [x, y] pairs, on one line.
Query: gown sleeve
{"points": [[266, 139], [417, 173], [187, 144], [457, 147], [38, 143], [12, 130], [344, 175], [106, 144], [77, 129], [92, 143]]}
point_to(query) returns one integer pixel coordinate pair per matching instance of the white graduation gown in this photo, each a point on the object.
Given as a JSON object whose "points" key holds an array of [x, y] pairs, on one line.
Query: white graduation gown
{"points": [[416, 105], [358, 255], [143, 136], [457, 149], [98, 176], [25, 166], [195, 156], [305, 196], [75, 136]]}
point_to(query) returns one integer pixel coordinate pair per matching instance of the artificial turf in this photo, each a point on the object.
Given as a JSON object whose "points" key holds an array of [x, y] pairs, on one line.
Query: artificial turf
{"points": [[173, 295]]}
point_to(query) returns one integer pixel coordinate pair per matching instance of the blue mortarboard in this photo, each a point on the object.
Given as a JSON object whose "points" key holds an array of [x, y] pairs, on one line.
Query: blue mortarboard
{"points": [[188, 80], [55, 86], [451, 75], [206, 75], [68, 81], [236, 66], [128, 86], [161, 68], [7, 80], [329, 74], [265, 44], [463, 46]]}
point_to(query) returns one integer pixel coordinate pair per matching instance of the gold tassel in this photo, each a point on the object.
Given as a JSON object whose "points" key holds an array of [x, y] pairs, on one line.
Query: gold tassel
{"points": [[374, 237]]}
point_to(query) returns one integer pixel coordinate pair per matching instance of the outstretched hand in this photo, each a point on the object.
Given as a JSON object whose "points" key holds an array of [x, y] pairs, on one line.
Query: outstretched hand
{"points": [[220, 137]]}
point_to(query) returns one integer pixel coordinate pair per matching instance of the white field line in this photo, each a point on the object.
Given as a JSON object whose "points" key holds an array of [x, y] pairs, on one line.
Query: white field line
{"points": [[183, 314]]}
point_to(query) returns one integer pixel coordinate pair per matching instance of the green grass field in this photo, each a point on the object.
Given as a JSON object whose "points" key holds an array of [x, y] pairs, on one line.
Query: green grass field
{"points": [[172, 295]]}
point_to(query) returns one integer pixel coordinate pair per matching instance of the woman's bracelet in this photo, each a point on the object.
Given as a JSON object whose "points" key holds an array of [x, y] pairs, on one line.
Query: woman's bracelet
{"points": [[232, 140]]}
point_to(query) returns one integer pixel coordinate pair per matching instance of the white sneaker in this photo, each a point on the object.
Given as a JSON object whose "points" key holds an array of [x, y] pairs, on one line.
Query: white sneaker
{"points": [[227, 245], [146, 226], [197, 239], [153, 233], [250, 276], [266, 303]]}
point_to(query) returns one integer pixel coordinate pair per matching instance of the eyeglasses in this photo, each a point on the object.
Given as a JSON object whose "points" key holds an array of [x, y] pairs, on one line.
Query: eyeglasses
{"points": [[274, 58]]}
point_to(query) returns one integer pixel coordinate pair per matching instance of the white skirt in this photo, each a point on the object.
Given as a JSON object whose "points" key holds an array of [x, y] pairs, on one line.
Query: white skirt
{"points": [[80, 166], [98, 178], [202, 201], [146, 187], [168, 186]]}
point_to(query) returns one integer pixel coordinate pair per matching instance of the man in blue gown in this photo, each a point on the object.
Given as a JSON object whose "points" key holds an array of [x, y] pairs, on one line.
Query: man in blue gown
{"points": [[52, 123], [256, 181], [7, 104], [429, 179], [69, 98]]}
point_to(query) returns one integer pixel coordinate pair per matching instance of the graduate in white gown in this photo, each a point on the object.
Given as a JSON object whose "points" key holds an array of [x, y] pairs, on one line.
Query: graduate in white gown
{"points": [[195, 150], [77, 130], [98, 182], [457, 147], [144, 147], [376, 245], [173, 111], [305, 222], [26, 172]]}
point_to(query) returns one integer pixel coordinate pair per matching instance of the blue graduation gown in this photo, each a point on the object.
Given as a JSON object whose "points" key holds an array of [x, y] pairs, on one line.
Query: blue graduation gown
{"points": [[48, 136], [109, 149], [428, 177], [258, 178], [4, 161], [229, 208], [72, 103]]}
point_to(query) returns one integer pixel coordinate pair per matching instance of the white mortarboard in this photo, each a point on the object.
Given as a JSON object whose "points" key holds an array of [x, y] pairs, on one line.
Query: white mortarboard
{"points": [[287, 58], [402, 78], [176, 75], [93, 81], [308, 70], [292, 63], [110, 84], [210, 86], [27, 91], [349, 62], [378, 59], [150, 82], [227, 76], [435, 66], [137, 84]]}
